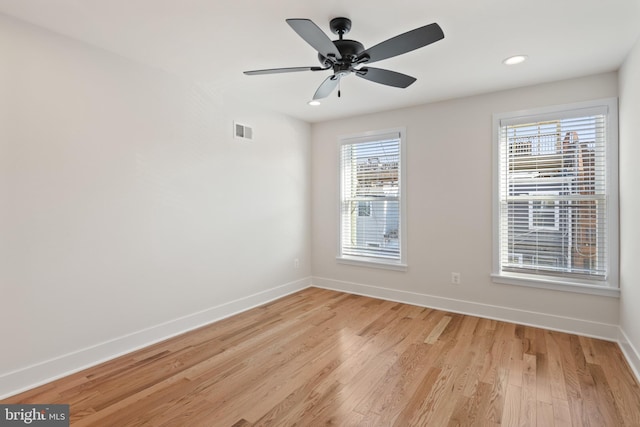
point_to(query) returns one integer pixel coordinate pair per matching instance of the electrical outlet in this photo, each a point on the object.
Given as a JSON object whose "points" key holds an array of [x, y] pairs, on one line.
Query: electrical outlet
{"points": [[296, 263], [455, 278]]}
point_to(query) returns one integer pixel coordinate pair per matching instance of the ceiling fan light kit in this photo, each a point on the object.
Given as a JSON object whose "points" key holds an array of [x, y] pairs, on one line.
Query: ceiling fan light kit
{"points": [[346, 57]]}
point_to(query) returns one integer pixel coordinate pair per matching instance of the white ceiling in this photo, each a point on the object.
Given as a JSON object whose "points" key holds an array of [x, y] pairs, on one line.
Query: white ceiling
{"points": [[212, 41]]}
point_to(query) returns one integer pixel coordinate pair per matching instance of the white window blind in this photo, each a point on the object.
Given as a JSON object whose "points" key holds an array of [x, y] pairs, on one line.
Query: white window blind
{"points": [[553, 195], [370, 211]]}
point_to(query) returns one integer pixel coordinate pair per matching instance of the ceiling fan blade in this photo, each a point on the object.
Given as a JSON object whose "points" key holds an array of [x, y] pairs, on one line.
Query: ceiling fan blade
{"points": [[313, 35], [403, 43], [385, 77], [327, 86], [282, 70]]}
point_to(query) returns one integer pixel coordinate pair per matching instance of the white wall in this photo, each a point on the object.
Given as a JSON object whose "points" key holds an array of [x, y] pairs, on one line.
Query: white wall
{"points": [[128, 212], [630, 206], [449, 152], [126, 203]]}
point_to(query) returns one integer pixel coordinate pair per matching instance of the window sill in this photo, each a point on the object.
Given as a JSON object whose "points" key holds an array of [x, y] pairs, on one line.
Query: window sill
{"points": [[372, 262], [554, 284]]}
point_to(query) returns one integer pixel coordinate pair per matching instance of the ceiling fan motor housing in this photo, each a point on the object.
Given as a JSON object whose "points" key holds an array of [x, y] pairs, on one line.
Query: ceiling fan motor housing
{"points": [[349, 50]]}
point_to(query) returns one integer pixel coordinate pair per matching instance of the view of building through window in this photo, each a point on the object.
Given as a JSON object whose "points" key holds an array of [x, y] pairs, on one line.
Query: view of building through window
{"points": [[370, 212], [553, 196]]}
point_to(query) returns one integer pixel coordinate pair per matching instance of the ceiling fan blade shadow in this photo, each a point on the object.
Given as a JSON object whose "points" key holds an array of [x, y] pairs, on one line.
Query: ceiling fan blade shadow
{"points": [[313, 35], [403, 43], [385, 77], [282, 70], [326, 87]]}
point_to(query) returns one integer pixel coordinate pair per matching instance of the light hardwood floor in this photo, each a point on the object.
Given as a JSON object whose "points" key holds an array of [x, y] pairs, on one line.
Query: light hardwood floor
{"points": [[321, 357]]}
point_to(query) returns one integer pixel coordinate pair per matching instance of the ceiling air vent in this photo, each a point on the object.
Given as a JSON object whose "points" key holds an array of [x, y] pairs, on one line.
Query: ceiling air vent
{"points": [[242, 131]]}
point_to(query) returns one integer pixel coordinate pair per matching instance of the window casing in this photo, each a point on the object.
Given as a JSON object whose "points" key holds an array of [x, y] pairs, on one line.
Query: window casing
{"points": [[555, 198], [371, 214]]}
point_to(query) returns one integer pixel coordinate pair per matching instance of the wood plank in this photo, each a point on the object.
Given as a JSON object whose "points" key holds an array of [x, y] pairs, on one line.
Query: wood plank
{"points": [[497, 394], [412, 407], [528, 405], [544, 414], [625, 390], [511, 408], [556, 369], [320, 357], [435, 334], [561, 413], [604, 396]]}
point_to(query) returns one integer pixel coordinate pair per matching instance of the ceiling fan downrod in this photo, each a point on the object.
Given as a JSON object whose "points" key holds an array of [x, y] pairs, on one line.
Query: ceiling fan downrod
{"points": [[340, 26]]}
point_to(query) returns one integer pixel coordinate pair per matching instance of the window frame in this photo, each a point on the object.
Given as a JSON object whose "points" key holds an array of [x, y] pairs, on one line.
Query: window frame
{"points": [[610, 285], [556, 213], [366, 261]]}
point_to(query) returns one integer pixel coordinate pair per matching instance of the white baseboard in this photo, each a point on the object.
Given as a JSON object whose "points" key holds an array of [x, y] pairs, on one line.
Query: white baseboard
{"points": [[26, 378], [630, 353], [548, 321]]}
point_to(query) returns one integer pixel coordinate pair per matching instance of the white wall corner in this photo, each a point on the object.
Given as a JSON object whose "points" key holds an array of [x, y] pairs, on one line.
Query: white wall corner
{"points": [[24, 379], [529, 318], [630, 353]]}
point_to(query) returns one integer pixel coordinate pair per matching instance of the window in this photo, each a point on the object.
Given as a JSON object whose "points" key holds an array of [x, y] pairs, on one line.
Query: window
{"points": [[371, 200], [544, 214], [364, 208], [555, 198]]}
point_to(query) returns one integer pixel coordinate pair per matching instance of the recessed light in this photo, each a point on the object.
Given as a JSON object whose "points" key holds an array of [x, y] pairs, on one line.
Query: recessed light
{"points": [[313, 102], [513, 60]]}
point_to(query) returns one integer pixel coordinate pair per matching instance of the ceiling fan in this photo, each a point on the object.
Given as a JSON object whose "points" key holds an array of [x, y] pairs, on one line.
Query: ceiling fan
{"points": [[345, 57]]}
